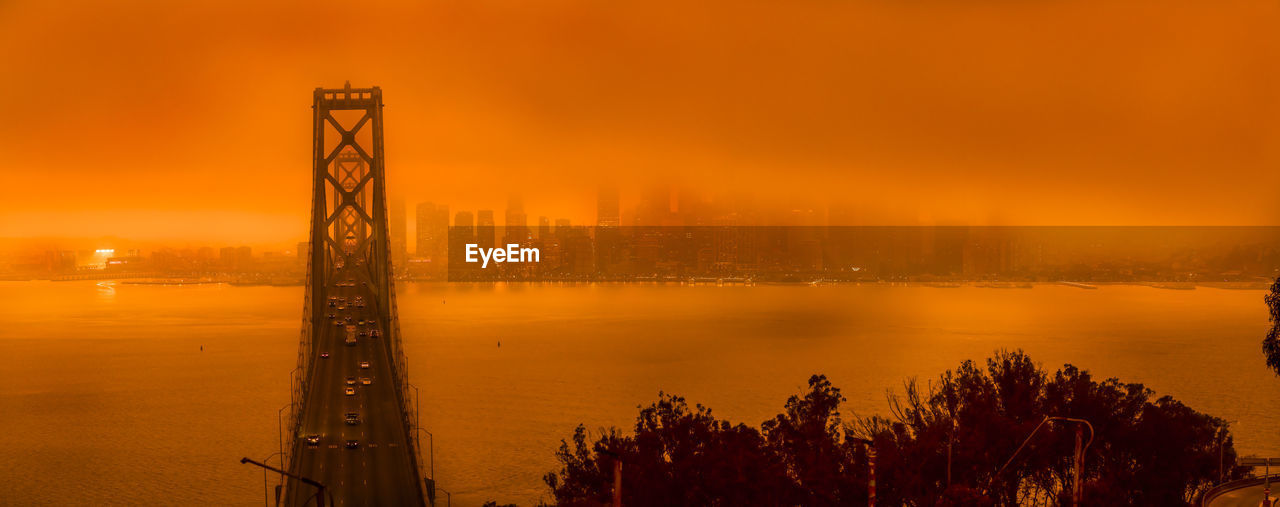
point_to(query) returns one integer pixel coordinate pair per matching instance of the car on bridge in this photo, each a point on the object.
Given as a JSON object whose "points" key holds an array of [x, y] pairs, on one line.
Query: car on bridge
{"points": [[352, 418], [364, 365], [351, 381], [350, 391], [324, 355], [313, 440], [353, 444], [365, 381]]}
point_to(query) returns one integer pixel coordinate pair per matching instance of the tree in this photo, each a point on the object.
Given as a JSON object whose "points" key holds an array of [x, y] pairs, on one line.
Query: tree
{"points": [[1143, 452], [1271, 344], [807, 437], [675, 457], [942, 444]]}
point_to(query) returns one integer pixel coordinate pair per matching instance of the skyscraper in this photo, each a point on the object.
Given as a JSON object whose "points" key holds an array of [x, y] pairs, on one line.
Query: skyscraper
{"points": [[485, 229], [460, 235], [432, 233], [544, 227], [517, 224], [608, 208], [464, 220], [303, 251], [422, 233], [654, 208]]}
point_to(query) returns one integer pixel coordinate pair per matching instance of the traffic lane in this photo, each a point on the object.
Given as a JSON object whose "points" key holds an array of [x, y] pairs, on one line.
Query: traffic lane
{"points": [[1243, 497], [377, 473], [389, 466], [390, 470], [389, 456], [323, 413], [391, 459], [326, 388], [354, 481], [351, 477], [357, 491]]}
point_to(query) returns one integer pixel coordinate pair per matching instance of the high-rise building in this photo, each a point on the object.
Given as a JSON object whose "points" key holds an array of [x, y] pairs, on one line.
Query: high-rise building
{"points": [[421, 231], [304, 248], [486, 229], [517, 223], [431, 235], [544, 227], [432, 224], [236, 259], [608, 208], [462, 233], [654, 208], [515, 212], [398, 231], [464, 220]]}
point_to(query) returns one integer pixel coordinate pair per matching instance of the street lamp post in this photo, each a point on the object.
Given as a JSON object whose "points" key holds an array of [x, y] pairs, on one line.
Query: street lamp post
{"points": [[1077, 486], [280, 426], [1222, 443], [292, 392], [1266, 489], [617, 476], [266, 493], [416, 406], [951, 441], [431, 454], [320, 491], [871, 468], [1266, 483], [417, 425]]}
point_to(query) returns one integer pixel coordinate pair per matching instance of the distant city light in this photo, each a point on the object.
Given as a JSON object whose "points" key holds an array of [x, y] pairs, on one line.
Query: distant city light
{"points": [[105, 251]]}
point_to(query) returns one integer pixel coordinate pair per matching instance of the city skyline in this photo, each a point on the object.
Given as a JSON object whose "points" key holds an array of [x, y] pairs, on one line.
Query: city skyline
{"points": [[655, 205]]}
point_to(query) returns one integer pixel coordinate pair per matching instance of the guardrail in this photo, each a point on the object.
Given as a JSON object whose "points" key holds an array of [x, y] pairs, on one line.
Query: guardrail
{"points": [[399, 367], [298, 387], [1209, 495]]}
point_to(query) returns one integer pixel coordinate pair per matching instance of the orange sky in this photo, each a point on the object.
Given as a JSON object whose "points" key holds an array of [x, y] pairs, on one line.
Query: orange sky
{"points": [[191, 120]]}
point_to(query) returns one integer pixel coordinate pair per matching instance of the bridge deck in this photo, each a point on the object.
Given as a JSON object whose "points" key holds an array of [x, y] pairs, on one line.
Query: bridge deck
{"points": [[380, 470]]}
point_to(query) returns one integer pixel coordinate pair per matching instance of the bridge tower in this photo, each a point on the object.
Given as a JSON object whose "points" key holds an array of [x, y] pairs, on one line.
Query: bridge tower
{"points": [[349, 244], [349, 200]]}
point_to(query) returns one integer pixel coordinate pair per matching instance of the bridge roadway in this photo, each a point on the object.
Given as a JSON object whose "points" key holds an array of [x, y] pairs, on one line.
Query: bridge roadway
{"points": [[379, 471], [1242, 493], [1247, 496]]}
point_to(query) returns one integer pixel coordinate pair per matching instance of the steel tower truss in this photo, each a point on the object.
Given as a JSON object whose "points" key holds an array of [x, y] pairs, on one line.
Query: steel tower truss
{"points": [[349, 234]]}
